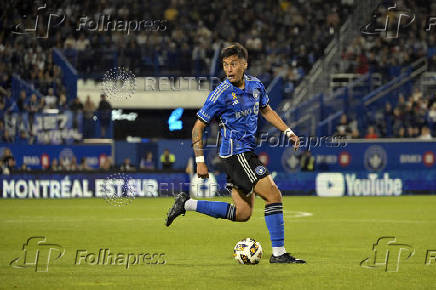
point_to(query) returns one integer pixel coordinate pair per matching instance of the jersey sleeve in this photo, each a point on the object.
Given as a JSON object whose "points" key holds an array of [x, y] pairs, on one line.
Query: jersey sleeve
{"points": [[214, 105], [264, 99]]}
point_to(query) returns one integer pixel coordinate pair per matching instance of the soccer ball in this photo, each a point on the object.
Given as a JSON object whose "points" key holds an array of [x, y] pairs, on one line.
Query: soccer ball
{"points": [[247, 251]]}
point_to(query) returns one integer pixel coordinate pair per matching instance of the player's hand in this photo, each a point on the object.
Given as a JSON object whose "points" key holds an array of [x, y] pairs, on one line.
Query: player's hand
{"points": [[202, 170], [294, 138]]}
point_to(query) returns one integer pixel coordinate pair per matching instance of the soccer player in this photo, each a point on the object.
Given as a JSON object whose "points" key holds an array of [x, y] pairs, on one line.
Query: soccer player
{"points": [[236, 103]]}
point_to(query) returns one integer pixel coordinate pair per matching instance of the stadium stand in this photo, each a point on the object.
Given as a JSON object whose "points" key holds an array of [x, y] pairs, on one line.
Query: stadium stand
{"points": [[282, 45]]}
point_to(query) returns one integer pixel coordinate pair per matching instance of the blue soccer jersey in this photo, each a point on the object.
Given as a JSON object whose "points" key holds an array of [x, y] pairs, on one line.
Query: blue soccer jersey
{"points": [[237, 112]]}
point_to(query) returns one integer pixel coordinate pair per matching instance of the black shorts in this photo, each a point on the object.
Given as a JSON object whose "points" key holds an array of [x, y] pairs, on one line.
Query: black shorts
{"points": [[244, 171]]}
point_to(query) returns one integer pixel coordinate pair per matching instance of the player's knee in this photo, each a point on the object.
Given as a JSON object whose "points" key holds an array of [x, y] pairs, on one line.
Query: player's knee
{"points": [[243, 215], [274, 194]]}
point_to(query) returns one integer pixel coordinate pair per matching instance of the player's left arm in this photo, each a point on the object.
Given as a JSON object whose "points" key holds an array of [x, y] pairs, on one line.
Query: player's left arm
{"points": [[272, 117]]}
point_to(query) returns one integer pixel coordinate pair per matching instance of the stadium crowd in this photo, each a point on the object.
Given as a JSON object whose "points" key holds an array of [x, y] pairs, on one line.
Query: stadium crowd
{"points": [[17, 117], [389, 55], [183, 39], [413, 116]]}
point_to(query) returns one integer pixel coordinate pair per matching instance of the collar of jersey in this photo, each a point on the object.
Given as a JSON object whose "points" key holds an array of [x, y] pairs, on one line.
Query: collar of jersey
{"points": [[237, 90]]}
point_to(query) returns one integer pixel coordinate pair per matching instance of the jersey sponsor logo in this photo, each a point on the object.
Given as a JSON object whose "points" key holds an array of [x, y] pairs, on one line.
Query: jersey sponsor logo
{"points": [[375, 158], [260, 170], [247, 112], [256, 108], [330, 184]]}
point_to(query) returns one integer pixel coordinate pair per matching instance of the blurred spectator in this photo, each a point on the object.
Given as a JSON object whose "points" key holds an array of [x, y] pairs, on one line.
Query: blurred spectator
{"points": [[2, 129], [24, 168], [74, 166], [343, 129], [88, 121], [8, 165], [106, 164], [55, 165], [432, 114], [105, 114], [62, 104], [355, 134], [7, 138], [76, 105], [22, 138], [84, 165], [147, 162], [22, 101], [65, 164], [167, 159], [10, 105], [6, 153], [34, 105], [371, 133], [425, 134], [50, 100], [127, 166], [89, 108], [401, 133], [307, 161]]}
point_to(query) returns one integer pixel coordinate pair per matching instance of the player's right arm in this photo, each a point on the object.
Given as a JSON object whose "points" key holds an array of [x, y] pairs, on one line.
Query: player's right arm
{"points": [[197, 145]]}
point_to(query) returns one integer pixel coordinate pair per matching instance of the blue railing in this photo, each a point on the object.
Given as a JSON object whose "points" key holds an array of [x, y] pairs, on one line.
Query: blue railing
{"points": [[69, 76], [18, 85]]}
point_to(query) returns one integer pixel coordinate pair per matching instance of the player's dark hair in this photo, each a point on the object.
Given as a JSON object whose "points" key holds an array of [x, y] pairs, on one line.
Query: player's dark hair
{"points": [[234, 49]]}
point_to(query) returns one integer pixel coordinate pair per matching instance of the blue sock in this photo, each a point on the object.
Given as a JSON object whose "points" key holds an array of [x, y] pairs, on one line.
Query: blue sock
{"points": [[217, 209], [275, 224]]}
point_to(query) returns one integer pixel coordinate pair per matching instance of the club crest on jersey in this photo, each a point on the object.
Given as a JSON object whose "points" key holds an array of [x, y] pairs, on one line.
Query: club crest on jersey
{"points": [[256, 93], [260, 170]]}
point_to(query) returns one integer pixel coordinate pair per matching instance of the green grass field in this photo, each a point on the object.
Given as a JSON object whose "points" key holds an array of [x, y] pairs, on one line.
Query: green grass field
{"points": [[334, 238]]}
